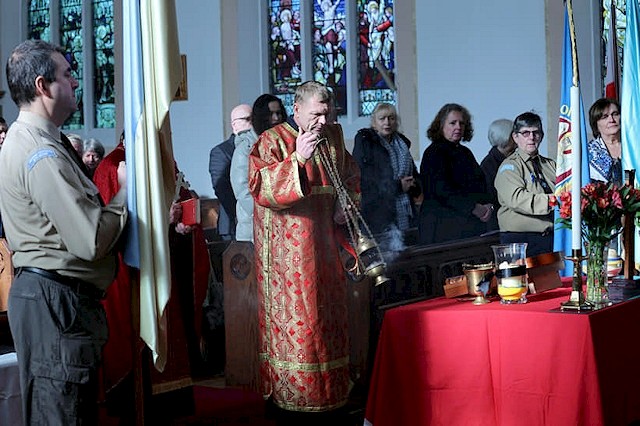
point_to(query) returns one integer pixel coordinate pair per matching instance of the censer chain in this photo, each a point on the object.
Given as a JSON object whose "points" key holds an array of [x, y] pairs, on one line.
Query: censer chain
{"points": [[346, 202]]}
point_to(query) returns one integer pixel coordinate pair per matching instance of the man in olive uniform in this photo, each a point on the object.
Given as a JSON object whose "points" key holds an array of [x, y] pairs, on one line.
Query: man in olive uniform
{"points": [[525, 183], [62, 238]]}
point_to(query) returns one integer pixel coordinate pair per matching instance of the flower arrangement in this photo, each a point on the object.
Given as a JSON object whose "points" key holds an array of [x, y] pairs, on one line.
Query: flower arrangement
{"points": [[602, 207]]}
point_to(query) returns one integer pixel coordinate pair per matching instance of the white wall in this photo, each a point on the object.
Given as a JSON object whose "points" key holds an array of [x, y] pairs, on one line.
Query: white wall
{"points": [[197, 124], [488, 56]]}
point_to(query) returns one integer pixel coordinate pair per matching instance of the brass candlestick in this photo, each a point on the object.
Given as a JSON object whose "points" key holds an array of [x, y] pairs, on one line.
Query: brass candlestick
{"points": [[576, 301]]}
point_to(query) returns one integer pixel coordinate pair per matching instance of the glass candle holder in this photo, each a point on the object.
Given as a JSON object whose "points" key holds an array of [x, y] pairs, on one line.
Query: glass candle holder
{"points": [[511, 272]]}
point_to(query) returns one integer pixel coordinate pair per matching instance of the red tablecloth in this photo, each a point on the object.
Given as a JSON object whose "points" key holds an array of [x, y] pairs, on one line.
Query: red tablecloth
{"points": [[446, 362]]}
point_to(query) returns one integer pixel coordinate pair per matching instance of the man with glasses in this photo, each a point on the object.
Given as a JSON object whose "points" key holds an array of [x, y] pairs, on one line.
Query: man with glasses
{"points": [[525, 184], [220, 171]]}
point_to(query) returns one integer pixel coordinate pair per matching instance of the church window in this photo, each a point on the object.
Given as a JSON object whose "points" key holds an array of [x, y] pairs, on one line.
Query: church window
{"points": [[84, 29], [348, 45]]}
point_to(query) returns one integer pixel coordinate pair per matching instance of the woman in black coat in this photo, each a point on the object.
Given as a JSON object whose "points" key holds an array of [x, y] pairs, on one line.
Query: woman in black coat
{"points": [[456, 203], [389, 179]]}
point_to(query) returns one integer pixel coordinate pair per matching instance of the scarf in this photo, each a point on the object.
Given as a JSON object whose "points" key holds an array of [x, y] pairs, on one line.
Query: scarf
{"points": [[402, 165]]}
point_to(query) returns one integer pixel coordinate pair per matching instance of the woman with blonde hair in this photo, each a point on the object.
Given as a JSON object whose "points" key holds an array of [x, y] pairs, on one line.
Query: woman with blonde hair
{"points": [[389, 180]]}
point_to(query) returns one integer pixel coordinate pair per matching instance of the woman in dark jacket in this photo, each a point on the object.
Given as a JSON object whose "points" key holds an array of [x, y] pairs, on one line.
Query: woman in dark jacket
{"points": [[389, 177], [456, 203]]}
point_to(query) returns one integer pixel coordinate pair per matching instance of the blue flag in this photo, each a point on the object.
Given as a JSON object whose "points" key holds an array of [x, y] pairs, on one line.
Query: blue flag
{"points": [[629, 102], [153, 73], [562, 237], [133, 106]]}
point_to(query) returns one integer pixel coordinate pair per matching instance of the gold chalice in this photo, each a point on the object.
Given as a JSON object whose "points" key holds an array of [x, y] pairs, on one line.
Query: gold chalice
{"points": [[479, 281]]}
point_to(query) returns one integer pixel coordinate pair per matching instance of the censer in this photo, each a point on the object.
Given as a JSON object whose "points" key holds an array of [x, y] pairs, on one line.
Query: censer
{"points": [[366, 258]]}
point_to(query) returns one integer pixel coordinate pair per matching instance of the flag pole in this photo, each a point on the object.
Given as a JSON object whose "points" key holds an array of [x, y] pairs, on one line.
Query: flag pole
{"points": [[613, 67], [576, 152]]}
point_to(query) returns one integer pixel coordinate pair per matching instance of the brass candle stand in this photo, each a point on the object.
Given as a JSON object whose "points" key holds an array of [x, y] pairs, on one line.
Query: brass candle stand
{"points": [[577, 301], [368, 257]]}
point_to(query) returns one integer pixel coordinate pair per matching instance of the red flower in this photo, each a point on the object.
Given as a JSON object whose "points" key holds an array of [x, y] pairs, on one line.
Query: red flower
{"points": [[602, 206], [565, 197], [589, 189], [603, 203], [616, 200]]}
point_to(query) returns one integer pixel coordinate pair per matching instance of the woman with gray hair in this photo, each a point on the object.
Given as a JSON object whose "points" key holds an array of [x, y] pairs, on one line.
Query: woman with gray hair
{"points": [[76, 142], [502, 145], [92, 154]]}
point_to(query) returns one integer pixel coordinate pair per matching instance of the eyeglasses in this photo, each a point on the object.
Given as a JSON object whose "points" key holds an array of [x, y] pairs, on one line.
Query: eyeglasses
{"points": [[537, 134], [247, 118], [614, 114]]}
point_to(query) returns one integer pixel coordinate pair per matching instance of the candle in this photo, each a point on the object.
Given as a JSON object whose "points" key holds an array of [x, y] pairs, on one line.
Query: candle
{"points": [[576, 166]]}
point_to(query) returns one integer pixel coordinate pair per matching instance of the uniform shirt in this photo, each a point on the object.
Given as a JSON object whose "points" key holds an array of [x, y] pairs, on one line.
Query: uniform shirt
{"points": [[524, 206], [51, 211]]}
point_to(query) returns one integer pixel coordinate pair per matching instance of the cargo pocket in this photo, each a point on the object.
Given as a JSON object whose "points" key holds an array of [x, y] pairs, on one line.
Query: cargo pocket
{"points": [[82, 327]]}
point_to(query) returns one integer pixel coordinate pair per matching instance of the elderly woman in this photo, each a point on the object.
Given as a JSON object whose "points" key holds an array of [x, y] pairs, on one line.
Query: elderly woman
{"points": [[605, 150], [502, 145], [456, 203], [525, 183], [389, 179], [76, 142], [92, 154]]}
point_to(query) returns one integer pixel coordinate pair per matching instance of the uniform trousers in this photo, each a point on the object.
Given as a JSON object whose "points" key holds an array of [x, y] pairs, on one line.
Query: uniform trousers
{"points": [[537, 242], [58, 335]]}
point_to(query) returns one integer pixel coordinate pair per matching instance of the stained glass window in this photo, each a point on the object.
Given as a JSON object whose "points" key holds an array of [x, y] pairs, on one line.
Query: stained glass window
{"points": [[284, 49], [98, 27], [39, 26], [71, 42], [103, 69], [376, 53], [329, 47]]}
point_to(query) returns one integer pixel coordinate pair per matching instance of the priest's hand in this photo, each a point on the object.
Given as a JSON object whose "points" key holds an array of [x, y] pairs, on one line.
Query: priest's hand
{"points": [[183, 229], [122, 174], [175, 212], [305, 144]]}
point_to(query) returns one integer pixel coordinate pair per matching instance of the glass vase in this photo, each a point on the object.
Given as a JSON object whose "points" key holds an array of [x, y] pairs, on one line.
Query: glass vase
{"points": [[597, 289]]}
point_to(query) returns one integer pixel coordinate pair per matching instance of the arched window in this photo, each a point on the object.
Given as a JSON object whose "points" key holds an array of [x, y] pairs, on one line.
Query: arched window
{"points": [[84, 29], [347, 45]]}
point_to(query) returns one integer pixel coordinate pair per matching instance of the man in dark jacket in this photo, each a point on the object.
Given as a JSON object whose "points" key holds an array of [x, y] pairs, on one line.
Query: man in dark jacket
{"points": [[219, 169]]}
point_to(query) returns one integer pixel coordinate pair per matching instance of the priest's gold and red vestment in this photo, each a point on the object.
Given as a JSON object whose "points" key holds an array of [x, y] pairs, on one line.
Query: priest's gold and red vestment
{"points": [[302, 294]]}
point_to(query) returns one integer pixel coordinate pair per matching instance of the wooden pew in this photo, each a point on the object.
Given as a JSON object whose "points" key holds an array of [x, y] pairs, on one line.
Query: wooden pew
{"points": [[417, 273]]}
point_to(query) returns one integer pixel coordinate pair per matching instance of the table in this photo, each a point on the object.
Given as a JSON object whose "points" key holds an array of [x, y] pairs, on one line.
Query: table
{"points": [[446, 362]]}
